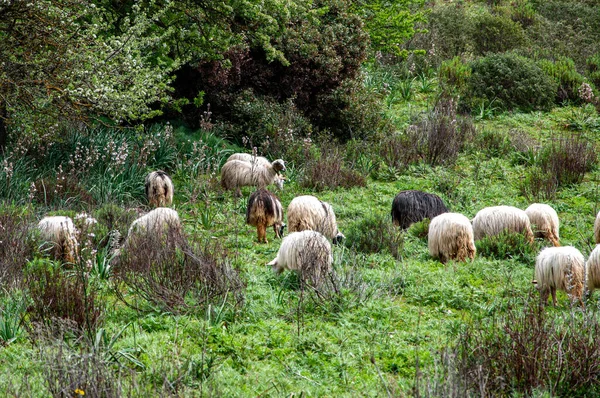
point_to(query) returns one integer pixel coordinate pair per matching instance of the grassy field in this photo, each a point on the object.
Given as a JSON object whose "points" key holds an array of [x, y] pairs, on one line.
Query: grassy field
{"points": [[393, 326]]}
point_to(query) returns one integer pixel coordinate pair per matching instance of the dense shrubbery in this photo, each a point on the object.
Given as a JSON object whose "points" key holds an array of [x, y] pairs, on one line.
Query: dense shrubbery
{"points": [[374, 234], [496, 34], [565, 74], [513, 81]]}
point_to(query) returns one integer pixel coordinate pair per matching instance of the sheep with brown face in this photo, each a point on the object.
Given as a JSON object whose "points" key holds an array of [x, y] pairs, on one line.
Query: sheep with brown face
{"points": [[264, 209], [238, 173], [159, 189]]}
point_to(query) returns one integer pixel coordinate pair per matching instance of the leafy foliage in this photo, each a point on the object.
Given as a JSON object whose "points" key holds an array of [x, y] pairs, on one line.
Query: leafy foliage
{"points": [[496, 34], [515, 82]]}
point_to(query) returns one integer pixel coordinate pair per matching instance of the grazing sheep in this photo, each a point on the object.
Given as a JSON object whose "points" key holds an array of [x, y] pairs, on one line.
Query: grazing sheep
{"points": [[308, 252], [264, 209], [308, 212], [559, 268], [545, 220], [495, 220], [592, 271], [258, 160], [247, 157], [238, 173], [451, 237], [413, 206], [159, 189], [61, 232], [597, 228]]}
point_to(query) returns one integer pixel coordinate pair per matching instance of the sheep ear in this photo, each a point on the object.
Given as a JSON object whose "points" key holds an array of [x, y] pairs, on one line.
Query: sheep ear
{"points": [[272, 263]]}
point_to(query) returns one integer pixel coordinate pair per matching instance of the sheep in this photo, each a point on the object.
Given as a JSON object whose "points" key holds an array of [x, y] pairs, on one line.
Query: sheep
{"points": [[545, 220], [61, 232], [559, 268], [159, 189], [264, 209], [308, 212], [162, 224], [597, 228], [247, 157], [308, 252], [412, 206], [451, 237], [592, 271], [237, 173], [492, 221], [258, 160]]}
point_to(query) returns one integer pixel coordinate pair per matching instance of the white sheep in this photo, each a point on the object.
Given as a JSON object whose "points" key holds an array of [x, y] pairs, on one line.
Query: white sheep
{"points": [[592, 270], [159, 189], [160, 224], [258, 160], [61, 233], [238, 173], [307, 252], [559, 268], [450, 237], [492, 221], [247, 157], [597, 229], [545, 220], [264, 209], [308, 212]]}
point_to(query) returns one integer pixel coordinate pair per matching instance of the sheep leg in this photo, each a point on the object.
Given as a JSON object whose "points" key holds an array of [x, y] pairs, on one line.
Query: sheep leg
{"points": [[553, 292], [262, 233]]}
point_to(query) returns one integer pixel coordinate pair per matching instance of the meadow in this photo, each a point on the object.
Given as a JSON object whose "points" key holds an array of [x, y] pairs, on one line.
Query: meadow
{"points": [[393, 322]]}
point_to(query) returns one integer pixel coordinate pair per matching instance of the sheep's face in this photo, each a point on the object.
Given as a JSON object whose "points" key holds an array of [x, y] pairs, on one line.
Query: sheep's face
{"points": [[279, 182], [279, 165], [281, 228], [339, 238], [275, 266]]}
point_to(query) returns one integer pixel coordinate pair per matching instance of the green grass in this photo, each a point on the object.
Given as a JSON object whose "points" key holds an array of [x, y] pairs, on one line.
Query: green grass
{"points": [[381, 335]]}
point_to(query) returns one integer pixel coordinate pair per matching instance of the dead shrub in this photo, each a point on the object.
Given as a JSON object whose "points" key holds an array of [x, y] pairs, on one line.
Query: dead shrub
{"points": [[329, 171], [567, 159], [435, 138], [16, 246], [62, 294], [530, 349], [173, 275]]}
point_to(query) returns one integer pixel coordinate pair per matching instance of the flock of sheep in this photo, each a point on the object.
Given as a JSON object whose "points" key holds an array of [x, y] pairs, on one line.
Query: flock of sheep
{"points": [[312, 225]]}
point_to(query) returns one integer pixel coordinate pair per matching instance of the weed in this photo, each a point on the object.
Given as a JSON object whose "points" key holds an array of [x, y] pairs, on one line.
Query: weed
{"points": [[16, 245], [330, 172], [529, 349], [507, 245], [12, 313], [374, 234], [172, 275]]}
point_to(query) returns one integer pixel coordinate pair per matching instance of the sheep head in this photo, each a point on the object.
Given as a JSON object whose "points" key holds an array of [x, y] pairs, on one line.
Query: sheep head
{"points": [[279, 165], [275, 266], [338, 238]]}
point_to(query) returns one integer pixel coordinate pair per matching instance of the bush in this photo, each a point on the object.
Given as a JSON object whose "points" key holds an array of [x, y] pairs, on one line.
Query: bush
{"points": [[330, 171], [375, 234], [441, 134], [17, 246], [507, 245], [568, 159], [496, 34], [566, 77], [593, 67], [454, 75], [172, 275], [531, 349], [514, 82], [62, 295]]}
